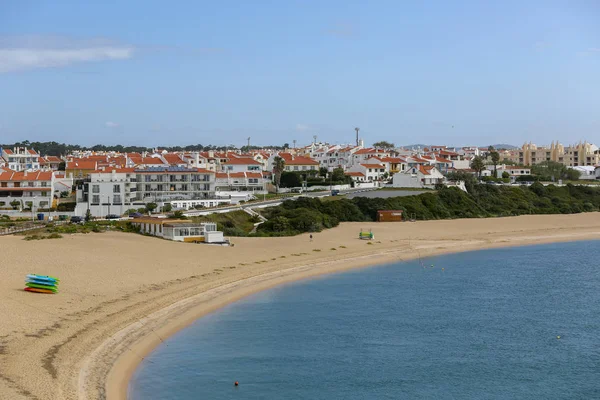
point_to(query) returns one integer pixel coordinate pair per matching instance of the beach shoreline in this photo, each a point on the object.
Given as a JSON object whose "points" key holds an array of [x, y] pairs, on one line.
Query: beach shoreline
{"points": [[94, 349]]}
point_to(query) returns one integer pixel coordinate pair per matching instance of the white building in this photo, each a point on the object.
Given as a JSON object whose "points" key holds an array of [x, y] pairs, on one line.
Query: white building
{"points": [[116, 190], [241, 181], [180, 231], [21, 159], [241, 164], [588, 172], [418, 177], [372, 169], [26, 190]]}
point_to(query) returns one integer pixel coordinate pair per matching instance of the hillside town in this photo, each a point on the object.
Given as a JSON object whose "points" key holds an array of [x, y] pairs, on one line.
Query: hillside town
{"points": [[115, 183]]}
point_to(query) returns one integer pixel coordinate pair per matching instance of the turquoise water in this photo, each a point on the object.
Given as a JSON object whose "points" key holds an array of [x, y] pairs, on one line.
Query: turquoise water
{"points": [[484, 328]]}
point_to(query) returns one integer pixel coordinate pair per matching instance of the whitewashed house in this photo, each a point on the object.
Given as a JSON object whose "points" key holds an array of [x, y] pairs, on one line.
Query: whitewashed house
{"points": [[418, 177]]}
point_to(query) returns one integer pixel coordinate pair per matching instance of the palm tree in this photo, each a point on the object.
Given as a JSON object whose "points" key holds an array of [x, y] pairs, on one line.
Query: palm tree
{"points": [[478, 165], [495, 156], [278, 167]]}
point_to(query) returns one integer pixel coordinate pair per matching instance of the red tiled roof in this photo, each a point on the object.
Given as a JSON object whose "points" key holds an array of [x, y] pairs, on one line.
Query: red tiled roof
{"points": [[373, 165], [223, 175], [297, 160], [14, 176], [173, 158], [393, 160], [424, 170], [351, 173], [81, 163], [109, 170], [8, 151], [25, 189]]}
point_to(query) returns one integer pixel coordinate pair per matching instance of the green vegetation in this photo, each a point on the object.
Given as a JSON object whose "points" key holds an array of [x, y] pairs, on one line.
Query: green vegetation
{"points": [[478, 165], [482, 201], [550, 171], [278, 167], [59, 149], [383, 145], [235, 223]]}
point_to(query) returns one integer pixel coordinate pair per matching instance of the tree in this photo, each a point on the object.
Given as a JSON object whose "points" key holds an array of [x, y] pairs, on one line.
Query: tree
{"points": [[478, 165], [338, 175], [62, 166], [151, 207], [178, 215], [167, 207], [384, 145], [278, 167], [495, 156], [290, 180], [505, 175], [88, 215], [549, 170], [323, 172], [572, 174]]}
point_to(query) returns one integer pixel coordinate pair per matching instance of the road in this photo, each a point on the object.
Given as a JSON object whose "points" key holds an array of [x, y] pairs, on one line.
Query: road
{"points": [[271, 203]]}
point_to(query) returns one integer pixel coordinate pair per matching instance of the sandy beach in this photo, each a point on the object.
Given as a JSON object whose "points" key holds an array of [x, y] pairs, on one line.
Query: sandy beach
{"points": [[122, 294]]}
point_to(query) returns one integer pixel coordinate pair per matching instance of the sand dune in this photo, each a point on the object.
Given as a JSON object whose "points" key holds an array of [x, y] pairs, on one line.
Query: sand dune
{"points": [[121, 294]]}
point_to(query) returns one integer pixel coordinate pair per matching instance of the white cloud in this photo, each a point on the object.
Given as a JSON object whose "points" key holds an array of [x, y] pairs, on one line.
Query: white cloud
{"points": [[594, 49], [110, 124], [32, 52]]}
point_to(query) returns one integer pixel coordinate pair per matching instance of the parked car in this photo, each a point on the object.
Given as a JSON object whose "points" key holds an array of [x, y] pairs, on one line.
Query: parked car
{"points": [[112, 216], [77, 220]]}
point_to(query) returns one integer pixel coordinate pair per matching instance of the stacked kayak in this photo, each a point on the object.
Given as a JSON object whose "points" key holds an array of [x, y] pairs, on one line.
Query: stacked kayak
{"points": [[41, 284]]}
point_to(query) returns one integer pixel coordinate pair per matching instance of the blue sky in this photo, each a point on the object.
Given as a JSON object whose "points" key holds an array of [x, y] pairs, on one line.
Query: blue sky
{"points": [[216, 72]]}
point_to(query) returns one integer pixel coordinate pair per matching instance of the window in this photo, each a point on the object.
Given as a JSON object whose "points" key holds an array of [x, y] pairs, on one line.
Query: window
{"points": [[304, 168], [148, 188], [30, 184], [95, 188], [295, 168], [44, 184], [116, 188], [44, 194], [117, 199], [95, 199]]}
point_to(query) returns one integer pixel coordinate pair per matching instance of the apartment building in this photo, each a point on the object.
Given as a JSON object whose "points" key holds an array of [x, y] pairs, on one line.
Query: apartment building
{"points": [[21, 159], [580, 154], [116, 190], [26, 190]]}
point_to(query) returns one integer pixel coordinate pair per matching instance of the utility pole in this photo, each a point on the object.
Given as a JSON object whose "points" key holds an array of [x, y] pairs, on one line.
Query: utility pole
{"points": [[248, 145], [357, 129]]}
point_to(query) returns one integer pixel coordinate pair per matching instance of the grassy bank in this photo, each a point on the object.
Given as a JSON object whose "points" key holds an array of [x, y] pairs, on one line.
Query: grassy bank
{"points": [[482, 201]]}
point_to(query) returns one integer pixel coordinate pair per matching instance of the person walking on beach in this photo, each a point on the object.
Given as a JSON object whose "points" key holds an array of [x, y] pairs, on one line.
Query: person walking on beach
{"points": [[311, 237]]}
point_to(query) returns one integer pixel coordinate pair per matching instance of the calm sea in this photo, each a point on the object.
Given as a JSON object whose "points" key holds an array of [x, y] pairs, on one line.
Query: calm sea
{"points": [[484, 327]]}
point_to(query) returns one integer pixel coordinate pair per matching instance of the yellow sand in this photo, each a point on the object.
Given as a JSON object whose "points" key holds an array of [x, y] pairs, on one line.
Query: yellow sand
{"points": [[121, 293]]}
